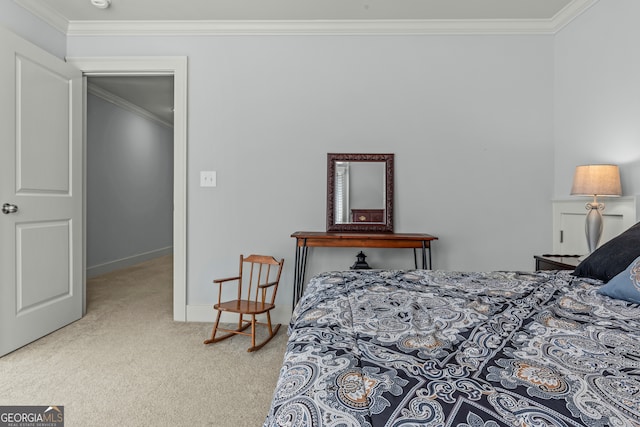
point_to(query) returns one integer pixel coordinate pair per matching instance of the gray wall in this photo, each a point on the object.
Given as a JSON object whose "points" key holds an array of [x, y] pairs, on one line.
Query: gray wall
{"points": [[32, 29], [486, 131], [129, 187], [469, 119], [597, 96]]}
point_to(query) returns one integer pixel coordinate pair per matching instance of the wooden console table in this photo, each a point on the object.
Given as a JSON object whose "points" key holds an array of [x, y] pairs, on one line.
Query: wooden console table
{"points": [[307, 239]]}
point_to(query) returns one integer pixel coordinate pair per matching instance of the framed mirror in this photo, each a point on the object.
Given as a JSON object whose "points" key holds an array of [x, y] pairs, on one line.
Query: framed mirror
{"points": [[360, 192]]}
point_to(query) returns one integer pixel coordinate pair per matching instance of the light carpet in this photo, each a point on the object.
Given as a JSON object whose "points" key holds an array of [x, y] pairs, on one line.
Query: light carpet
{"points": [[127, 363]]}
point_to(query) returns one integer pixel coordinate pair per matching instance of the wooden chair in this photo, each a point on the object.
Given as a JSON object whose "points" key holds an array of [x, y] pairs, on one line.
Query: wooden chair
{"points": [[258, 278]]}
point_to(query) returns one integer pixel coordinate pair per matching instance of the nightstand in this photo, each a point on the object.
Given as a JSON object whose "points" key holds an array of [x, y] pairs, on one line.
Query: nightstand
{"points": [[556, 262]]}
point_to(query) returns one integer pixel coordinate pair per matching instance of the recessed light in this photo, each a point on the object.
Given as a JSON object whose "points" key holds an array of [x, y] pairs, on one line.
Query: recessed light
{"points": [[101, 4]]}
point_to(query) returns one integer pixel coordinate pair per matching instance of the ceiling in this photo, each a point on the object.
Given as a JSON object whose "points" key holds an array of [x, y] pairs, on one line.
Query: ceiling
{"points": [[80, 17], [123, 10], [172, 17], [150, 96]]}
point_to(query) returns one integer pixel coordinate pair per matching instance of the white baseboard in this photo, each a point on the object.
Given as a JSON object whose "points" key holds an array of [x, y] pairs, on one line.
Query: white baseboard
{"points": [[201, 313], [206, 314], [118, 264]]}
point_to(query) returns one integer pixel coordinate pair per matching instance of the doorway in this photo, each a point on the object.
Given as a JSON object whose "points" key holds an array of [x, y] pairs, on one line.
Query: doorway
{"points": [[129, 171], [163, 66]]}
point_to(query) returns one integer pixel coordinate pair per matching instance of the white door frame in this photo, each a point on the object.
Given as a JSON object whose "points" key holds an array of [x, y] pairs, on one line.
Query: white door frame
{"points": [[177, 67]]}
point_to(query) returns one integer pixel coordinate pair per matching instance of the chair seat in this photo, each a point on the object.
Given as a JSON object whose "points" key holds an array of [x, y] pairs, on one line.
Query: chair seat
{"points": [[244, 306]]}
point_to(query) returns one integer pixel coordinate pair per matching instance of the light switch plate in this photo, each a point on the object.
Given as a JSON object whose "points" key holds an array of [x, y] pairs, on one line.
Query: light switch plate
{"points": [[208, 179]]}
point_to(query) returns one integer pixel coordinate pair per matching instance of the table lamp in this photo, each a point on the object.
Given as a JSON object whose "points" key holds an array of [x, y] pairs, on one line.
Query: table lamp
{"points": [[595, 180]]}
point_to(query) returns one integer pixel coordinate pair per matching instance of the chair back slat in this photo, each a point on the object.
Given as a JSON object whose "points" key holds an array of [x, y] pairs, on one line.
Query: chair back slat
{"points": [[256, 283], [249, 281], [240, 275], [262, 270]]}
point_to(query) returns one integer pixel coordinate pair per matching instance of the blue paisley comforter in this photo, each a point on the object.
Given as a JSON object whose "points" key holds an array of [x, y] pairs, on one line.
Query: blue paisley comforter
{"points": [[433, 348]]}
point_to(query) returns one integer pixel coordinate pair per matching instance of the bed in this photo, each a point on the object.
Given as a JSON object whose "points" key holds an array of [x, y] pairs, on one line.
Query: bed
{"points": [[435, 348]]}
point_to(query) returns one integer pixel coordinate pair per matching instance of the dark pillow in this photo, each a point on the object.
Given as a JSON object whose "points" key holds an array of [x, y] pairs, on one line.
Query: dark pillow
{"points": [[611, 258]]}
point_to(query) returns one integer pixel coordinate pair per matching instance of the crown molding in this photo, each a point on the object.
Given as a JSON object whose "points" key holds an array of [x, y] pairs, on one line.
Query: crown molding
{"points": [[571, 12], [304, 27], [126, 105], [307, 27]]}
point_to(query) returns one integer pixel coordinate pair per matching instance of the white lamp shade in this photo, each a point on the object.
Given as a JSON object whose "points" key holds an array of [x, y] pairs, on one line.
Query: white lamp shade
{"points": [[596, 180]]}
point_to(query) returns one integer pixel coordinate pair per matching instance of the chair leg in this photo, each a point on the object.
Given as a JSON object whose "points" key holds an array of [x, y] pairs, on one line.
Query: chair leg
{"points": [[213, 338], [269, 322], [241, 327], [272, 333], [253, 330], [213, 332]]}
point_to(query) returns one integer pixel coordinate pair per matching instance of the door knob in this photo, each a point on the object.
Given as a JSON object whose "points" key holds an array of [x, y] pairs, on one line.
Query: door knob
{"points": [[8, 208]]}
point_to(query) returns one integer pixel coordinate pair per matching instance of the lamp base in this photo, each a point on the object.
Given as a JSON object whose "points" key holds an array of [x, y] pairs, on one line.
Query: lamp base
{"points": [[593, 225]]}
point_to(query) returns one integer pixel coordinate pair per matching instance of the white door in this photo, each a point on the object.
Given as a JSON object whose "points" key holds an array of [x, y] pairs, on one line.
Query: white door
{"points": [[41, 253]]}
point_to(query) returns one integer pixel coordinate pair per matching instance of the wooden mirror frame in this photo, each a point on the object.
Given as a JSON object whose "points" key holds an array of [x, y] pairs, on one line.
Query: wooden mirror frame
{"points": [[387, 224]]}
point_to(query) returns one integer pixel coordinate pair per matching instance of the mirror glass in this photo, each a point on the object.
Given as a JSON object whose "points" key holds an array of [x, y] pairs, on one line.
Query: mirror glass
{"points": [[359, 192]]}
